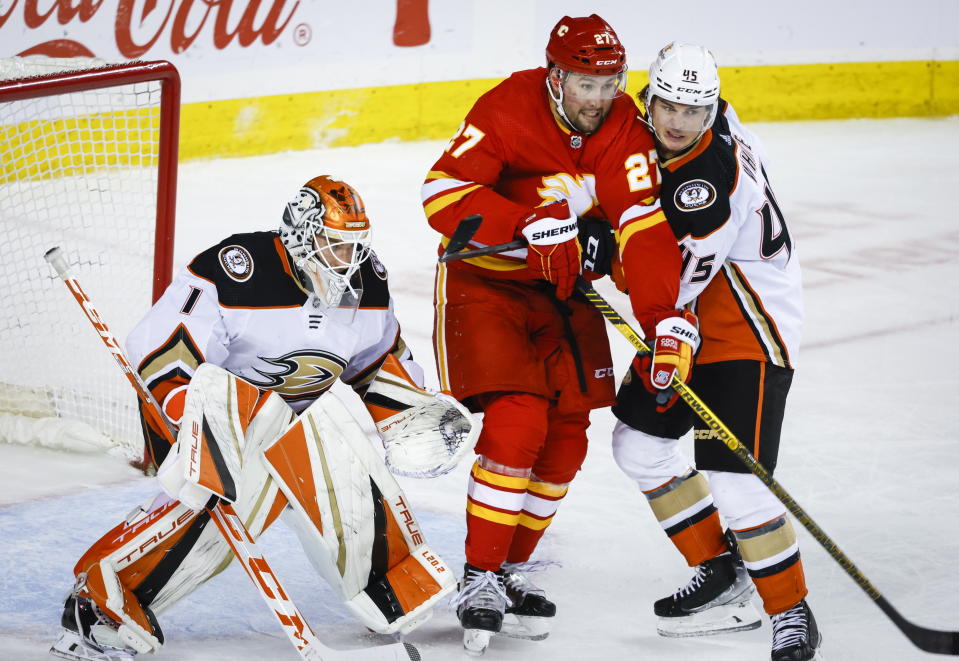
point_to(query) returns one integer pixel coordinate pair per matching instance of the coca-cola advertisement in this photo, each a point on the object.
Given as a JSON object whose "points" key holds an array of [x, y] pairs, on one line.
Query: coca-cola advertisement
{"points": [[235, 48], [229, 49]]}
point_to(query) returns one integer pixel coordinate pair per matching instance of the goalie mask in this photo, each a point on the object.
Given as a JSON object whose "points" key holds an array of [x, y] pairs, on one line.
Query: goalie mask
{"points": [[686, 79], [326, 231]]}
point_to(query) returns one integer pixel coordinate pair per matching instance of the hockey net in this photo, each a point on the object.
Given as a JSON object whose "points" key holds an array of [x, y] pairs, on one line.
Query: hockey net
{"points": [[89, 158]]}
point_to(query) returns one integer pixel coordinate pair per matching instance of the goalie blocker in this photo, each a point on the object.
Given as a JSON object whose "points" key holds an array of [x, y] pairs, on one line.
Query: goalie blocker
{"points": [[318, 471]]}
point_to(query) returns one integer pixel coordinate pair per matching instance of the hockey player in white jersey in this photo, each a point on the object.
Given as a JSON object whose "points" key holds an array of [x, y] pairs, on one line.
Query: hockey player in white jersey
{"points": [[720, 288], [242, 347]]}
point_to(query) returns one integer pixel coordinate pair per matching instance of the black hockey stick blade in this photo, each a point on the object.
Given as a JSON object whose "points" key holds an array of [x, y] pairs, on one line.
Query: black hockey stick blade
{"points": [[478, 252], [928, 640], [462, 235]]}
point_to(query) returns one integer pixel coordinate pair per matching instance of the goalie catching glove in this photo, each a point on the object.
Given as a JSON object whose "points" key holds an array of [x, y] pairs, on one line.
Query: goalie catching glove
{"points": [[673, 348], [425, 433]]}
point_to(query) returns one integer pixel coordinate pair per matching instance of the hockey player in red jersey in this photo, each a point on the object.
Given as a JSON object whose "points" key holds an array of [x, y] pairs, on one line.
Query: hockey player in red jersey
{"points": [[720, 277], [245, 342], [548, 155]]}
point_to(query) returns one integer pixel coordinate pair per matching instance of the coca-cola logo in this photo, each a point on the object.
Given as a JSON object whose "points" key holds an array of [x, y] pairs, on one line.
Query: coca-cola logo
{"points": [[140, 24]]}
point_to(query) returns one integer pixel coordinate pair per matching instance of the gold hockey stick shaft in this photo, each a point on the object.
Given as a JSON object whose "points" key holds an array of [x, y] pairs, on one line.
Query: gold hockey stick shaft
{"points": [[929, 640]]}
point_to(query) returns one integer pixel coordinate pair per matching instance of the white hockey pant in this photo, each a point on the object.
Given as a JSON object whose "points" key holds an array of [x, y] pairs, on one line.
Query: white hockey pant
{"points": [[652, 461]]}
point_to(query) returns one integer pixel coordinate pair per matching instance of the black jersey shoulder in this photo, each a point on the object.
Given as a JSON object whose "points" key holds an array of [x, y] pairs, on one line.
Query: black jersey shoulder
{"points": [[249, 271], [376, 291], [695, 195]]}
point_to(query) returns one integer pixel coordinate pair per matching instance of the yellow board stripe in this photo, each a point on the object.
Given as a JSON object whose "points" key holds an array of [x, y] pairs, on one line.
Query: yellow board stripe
{"points": [[491, 515], [42, 149], [433, 110]]}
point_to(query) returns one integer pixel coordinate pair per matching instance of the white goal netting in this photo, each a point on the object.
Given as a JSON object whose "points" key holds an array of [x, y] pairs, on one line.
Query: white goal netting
{"points": [[79, 170]]}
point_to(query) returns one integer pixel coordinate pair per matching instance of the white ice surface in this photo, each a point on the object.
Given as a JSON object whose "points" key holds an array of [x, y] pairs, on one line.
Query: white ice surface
{"points": [[870, 448]]}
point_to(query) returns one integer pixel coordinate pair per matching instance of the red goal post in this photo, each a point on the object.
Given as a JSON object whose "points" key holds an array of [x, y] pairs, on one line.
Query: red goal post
{"points": [[88, 161]]}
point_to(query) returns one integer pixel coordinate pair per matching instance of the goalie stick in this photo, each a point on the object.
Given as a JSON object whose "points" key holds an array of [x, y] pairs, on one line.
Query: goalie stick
{"points": [[928, 640], [225, 517]]}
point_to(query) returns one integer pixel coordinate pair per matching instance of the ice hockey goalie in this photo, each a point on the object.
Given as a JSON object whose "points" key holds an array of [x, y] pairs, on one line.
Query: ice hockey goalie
{"points": [[241, 351]]}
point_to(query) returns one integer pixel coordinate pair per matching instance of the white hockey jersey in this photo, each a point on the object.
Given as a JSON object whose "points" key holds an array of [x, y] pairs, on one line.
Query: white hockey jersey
{"points": [[239, 305], [740, 270]]}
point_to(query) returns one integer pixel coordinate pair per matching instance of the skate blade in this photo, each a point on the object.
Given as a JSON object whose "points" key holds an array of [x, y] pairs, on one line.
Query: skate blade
{"points": [[69, 646], [716, 620], [475, 641], [526, 627]]}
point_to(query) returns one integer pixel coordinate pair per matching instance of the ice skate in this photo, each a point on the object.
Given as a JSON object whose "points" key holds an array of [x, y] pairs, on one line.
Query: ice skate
{"points": [[88, 634], [530, 613], [795, 635], [480, 606], [718, 599]]}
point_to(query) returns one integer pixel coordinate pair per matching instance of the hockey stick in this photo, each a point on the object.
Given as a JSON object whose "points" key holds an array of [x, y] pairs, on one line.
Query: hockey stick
{"points": [[462, 235], [929, 640], [225, 517]]}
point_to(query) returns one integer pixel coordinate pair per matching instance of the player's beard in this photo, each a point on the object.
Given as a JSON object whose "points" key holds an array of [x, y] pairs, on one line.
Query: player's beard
{"points": [[588, 120]]}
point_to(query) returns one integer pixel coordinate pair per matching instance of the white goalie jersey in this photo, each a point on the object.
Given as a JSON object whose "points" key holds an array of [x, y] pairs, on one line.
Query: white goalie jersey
{"points": [[238, 305]]}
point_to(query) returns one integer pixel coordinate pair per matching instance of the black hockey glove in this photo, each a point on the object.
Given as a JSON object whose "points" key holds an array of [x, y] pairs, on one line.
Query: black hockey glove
{"points": [[598, 244]]}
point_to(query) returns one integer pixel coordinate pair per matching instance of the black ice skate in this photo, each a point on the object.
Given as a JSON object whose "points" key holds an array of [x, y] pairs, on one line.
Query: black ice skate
{"points": [[88, 634], [795, 634], [480, 606], [718, 599], [531, 611]]}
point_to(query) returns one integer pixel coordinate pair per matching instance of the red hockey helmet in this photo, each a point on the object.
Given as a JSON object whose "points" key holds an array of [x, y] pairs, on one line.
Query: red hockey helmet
{"points": [[585, 45]]}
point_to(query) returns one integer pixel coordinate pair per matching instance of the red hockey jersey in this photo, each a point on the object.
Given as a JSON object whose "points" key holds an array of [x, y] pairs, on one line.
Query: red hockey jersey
{"points": [[511, 153]]}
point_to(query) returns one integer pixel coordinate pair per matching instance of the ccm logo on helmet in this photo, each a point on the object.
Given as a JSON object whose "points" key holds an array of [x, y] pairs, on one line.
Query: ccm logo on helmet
{"points": [[556, 231], [605, 62]]}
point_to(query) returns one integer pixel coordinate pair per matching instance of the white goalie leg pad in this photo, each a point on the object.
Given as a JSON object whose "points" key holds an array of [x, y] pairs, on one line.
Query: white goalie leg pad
{"points": [[234, 421], [354, 521], [222, 415], [425, 433], [650, 461]]}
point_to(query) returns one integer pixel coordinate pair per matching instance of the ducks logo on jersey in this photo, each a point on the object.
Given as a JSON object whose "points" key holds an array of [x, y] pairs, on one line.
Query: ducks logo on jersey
{"points": [[237, 262], [378, 267], [694, 195], [303, 374]]}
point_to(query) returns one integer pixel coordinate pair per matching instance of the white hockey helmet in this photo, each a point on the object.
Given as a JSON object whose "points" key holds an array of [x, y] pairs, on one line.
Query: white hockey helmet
{"points": [[326, 231], [687, 74]]}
